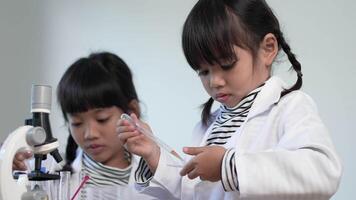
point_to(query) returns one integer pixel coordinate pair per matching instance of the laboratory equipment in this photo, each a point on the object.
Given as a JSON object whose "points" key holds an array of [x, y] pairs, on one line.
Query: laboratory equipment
{"points": [[36, 136], [81, 185], [64, 185], [149, 134]]}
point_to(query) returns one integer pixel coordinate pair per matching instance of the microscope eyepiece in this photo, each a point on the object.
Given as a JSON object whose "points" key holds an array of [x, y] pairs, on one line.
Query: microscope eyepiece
{"points": [[41, 98]]}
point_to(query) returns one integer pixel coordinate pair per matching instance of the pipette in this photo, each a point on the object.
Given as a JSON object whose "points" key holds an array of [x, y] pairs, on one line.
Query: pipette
{"points": [[149, 134]]}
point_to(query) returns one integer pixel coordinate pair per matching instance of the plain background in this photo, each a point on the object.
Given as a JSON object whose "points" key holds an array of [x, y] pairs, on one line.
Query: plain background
{"points": [[40, 39]]}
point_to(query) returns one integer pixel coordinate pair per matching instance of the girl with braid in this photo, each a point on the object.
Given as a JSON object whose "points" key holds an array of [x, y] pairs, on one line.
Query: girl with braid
{"points": [[266, 140], [92, 94]]}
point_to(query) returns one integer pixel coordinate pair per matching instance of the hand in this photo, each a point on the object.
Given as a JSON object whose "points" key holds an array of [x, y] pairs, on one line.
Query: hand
{"points": [[206, 164], [137, 143], [19, 160]]}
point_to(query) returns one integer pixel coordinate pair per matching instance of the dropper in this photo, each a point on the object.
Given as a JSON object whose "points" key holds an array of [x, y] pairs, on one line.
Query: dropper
{"points": [[149, 134]]}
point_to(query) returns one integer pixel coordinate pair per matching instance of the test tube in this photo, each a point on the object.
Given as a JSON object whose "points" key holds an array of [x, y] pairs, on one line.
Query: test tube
{"points": [[64, 185]]}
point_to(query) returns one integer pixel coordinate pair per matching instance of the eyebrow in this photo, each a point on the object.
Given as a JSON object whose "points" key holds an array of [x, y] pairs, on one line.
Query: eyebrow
{"points": [[98, 110]]}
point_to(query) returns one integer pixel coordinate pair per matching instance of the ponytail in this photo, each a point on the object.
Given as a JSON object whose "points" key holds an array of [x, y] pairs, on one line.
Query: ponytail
{"points": [[205, 115], [71, 150], [295, 64]]}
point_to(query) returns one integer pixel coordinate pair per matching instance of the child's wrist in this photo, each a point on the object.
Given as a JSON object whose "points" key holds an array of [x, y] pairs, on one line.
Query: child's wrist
{"points": [[153, 159]]}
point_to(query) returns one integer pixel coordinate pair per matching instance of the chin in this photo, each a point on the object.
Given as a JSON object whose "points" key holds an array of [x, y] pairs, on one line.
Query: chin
{"points": [[97, 158]]}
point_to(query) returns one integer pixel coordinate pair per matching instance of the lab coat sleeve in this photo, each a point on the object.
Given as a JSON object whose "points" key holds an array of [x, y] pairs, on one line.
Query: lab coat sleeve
{"points": [[143, 174], [166, 182], [303, 165]]}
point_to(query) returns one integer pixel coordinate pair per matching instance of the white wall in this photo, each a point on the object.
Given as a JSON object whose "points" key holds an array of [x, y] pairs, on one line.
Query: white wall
{"points": [[21, 56], [47, 36]]}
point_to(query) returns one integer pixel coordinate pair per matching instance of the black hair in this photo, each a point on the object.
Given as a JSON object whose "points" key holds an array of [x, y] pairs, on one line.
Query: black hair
{"points": [[100, 80], [213, 27]]}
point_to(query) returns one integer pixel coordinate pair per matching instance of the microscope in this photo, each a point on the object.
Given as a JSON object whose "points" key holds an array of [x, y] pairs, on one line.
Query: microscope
{"points": [[37, 136]]}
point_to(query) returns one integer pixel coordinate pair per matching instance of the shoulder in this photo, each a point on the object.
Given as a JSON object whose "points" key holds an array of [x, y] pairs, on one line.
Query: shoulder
{"points": [[298, 100], [297, 109]]}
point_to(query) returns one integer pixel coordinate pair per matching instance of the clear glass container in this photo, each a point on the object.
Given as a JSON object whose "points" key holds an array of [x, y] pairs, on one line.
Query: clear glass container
{"points": [[56, 189]]}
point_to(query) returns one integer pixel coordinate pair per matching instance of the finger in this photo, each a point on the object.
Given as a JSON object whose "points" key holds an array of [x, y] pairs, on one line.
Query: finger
{"points": [[123, 129], [122, 122], [136, 120], [124, 136], [27, 154], [133, 142], [20, 156], [202, 178], [135, 139], [140, 123], [15, 167], [187, 168], [134, 117], [193, 150], [18, 165], [193, 174]]}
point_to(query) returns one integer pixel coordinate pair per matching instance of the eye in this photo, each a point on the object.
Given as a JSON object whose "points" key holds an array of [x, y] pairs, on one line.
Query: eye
{"points": [[76, 124], [228, 66], [103, 120], [203, 72]]}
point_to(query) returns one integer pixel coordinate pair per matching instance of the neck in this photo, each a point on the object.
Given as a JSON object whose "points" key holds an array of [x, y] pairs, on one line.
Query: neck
{"points": [[120, 161]]}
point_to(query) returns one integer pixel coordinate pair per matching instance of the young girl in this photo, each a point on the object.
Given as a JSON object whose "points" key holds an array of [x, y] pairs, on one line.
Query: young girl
{"points": [[266, 140], [93, 93]]}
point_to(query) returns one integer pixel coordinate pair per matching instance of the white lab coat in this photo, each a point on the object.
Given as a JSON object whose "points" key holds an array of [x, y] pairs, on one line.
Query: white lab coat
{"points": [[283, 152]]}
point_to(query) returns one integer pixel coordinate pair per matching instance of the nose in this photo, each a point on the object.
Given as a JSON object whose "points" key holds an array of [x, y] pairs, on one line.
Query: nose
{"points": [[216, 80], [90, 131]]}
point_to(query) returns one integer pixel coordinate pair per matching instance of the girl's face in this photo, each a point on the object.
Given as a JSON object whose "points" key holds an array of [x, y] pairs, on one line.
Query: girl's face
{"points": [[233, 80], [95, 132]]}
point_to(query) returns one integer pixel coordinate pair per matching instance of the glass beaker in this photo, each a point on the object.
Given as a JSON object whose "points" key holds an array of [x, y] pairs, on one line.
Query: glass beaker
{"points": [[49, 186], [56, 189]]}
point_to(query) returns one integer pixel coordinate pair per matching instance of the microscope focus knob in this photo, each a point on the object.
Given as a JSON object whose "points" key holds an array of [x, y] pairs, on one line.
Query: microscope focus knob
{"points": [[36, 136]]}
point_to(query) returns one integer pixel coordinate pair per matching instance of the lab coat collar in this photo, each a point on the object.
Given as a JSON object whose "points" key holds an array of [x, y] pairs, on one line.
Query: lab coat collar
{"points": [[77, 163], [269, 95]]}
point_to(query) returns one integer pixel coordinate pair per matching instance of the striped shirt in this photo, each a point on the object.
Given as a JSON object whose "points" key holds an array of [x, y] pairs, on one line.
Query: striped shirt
{"points": [[227, 123], [104, 177], [230, 120]]}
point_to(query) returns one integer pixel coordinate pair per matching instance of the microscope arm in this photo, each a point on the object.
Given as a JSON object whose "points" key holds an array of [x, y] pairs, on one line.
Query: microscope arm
{"points": [[24, 137]]}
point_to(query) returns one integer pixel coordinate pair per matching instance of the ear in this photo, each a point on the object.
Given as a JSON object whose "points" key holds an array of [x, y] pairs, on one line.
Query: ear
{"points": [[269, 49], [135, 107]]}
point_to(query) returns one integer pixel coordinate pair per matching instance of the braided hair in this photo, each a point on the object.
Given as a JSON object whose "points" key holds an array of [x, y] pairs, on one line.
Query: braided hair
{"points": [[213, 27]]}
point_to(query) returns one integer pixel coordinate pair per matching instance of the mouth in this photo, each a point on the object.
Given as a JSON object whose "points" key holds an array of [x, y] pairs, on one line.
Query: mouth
{"points": [[95, 148], [222, 97]]}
